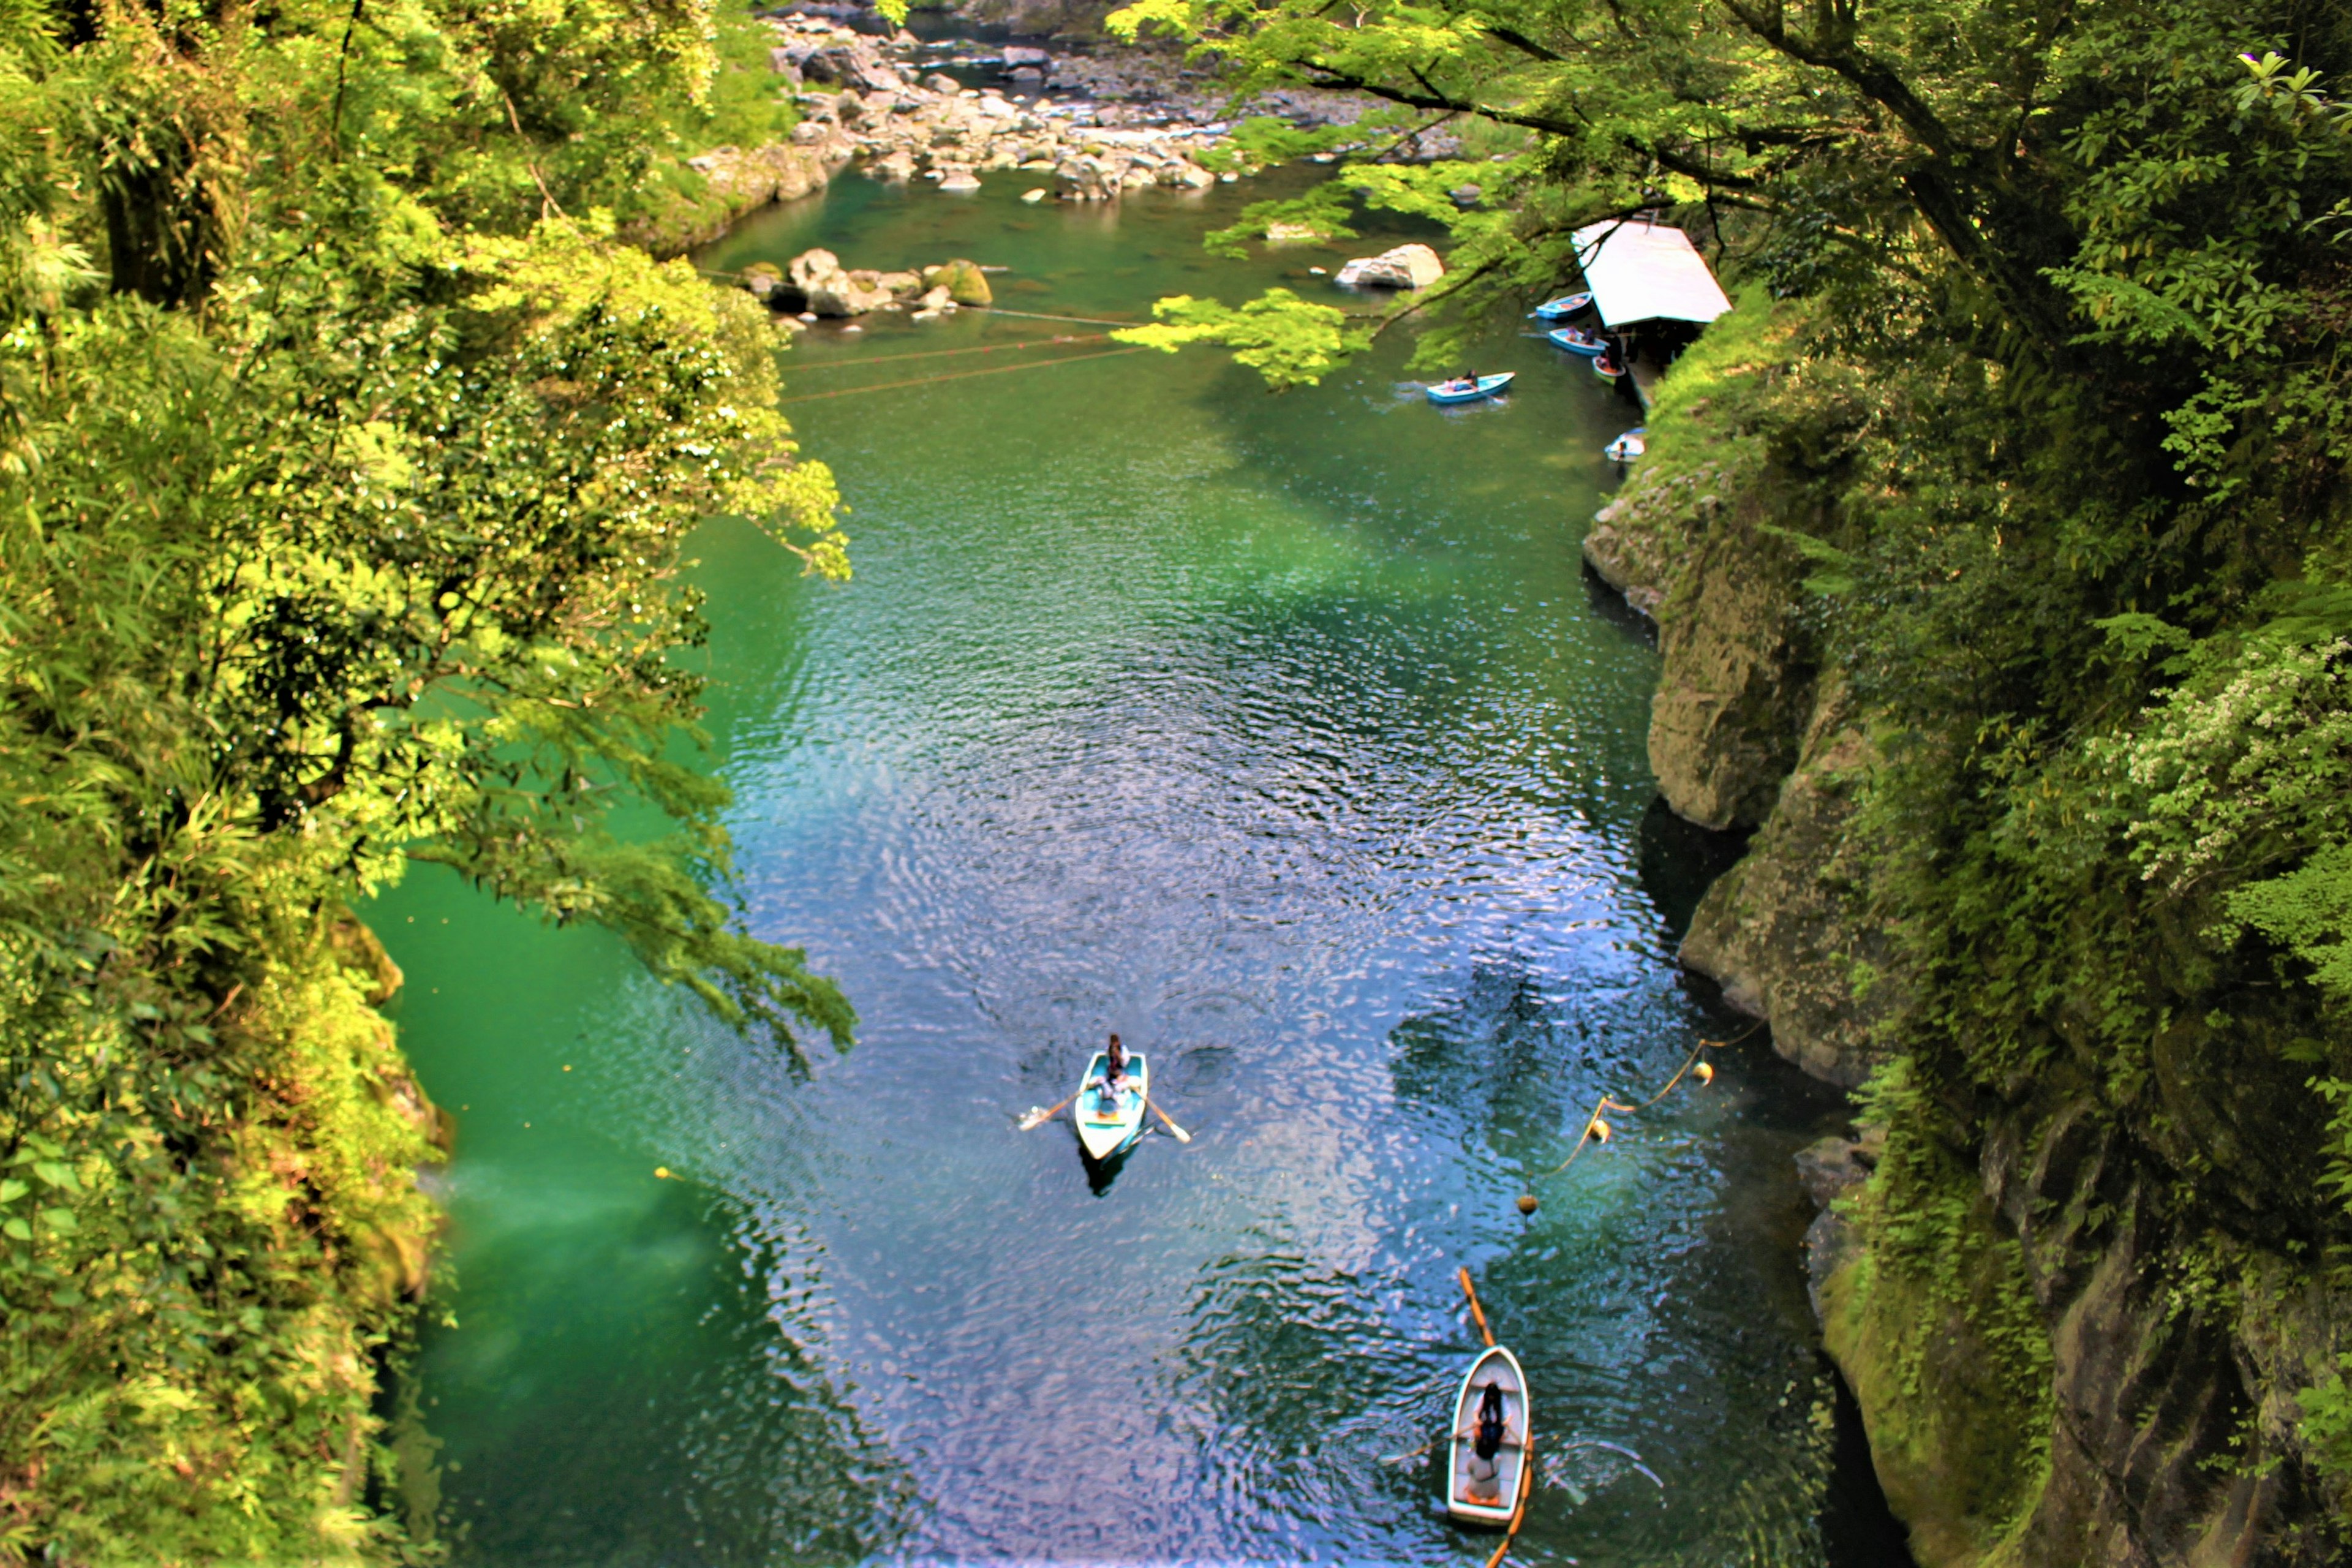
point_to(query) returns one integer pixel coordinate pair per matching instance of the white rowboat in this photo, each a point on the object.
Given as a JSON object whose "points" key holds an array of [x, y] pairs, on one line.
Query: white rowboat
{"points": [[1108, 1125], [1488, 1491]]}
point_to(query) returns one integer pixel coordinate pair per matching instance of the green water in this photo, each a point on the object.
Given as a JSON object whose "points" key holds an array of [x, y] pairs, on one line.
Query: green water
{"points": [[1284, 736]]}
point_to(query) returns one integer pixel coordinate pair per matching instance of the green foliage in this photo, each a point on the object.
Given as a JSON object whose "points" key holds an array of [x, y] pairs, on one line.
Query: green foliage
{"points": [[345, 470], [748, 103], [1288, 341], [2327, 1424]]}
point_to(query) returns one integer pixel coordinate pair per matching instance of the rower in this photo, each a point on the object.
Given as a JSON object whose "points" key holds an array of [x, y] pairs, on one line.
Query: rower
{"points": [[1114, 1078], [1487, 1433]]}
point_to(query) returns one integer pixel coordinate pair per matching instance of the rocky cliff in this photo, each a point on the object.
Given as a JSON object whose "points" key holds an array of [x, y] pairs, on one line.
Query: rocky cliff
{"points": [[2080, 1308]]}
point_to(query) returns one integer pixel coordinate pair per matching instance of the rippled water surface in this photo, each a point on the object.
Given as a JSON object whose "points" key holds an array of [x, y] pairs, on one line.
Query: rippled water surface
{"points": [[1283, 736]]}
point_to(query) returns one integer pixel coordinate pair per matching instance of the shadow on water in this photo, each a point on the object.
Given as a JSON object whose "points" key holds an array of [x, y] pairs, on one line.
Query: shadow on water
{"points": [[1858, 1529], [1679, 862]]}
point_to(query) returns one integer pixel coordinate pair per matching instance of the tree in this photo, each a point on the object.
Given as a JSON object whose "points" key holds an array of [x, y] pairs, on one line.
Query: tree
{"points": [[345, 467]]}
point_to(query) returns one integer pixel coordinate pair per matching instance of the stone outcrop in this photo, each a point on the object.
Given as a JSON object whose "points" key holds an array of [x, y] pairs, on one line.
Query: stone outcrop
{"points": [[727, 183], [1790, 933], [1406, 266], [1736, 690]]}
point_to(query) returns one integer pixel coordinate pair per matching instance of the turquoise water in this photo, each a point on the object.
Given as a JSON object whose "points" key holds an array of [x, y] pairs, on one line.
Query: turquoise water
{"points": [[1284, 736]]}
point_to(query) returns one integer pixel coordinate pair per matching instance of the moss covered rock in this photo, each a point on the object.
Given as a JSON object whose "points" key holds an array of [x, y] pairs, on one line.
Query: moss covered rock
{"points": [[963, 280]]}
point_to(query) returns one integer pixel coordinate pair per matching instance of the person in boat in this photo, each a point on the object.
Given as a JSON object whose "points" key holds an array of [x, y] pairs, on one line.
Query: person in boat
{"points": [[1489, 1431], [1114, 1082]]}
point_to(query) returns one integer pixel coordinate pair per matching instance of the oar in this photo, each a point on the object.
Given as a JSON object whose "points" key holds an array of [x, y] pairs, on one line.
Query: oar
{"points": [[1476, 1311], [1519, 1514], [1182, 1136], [1038, 1118]]}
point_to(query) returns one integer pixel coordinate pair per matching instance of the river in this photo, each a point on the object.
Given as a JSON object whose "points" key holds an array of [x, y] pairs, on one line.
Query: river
{"points": [[1283, 734]]}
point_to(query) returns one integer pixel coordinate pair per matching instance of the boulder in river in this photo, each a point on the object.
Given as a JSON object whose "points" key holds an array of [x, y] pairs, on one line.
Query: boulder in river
{"points": [[1406, 266], [1017, 55], [963, 280], [958, 180], [830, 290]]}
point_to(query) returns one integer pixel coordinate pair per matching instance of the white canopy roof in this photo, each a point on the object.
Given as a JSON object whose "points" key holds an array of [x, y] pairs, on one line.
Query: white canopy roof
{"points": [[1639, 271]]}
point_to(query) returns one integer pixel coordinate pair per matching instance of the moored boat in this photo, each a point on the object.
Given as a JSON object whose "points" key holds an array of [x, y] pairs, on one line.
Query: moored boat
{"points": [[1111, 1123], [1488, 1488], [1607, 368], [1629, 445], [1463, 390], [1577, 341], [1561, 309]]}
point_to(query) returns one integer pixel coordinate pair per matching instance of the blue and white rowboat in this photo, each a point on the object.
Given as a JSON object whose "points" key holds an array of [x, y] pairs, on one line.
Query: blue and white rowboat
{"points": [[1447, 392], [1629, 445], [1110, 1124], [1561, 309], [1577, 341]]}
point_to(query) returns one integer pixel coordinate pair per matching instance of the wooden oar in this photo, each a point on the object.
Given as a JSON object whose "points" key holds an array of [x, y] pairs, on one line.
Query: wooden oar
{"points": [[1038, 1118], [1182, 1136], [1476, 1312]]}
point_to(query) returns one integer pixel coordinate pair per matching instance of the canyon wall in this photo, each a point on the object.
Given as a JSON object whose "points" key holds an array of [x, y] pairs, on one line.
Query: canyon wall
{"points": [[2080, 1333]]}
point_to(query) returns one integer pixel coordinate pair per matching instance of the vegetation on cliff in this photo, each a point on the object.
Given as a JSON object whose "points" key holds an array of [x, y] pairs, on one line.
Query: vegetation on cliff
{"points": [[2053, 432], [345, 463]]}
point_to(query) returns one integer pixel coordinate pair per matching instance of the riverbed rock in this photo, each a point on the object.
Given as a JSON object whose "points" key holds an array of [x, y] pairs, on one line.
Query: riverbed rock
{"points": [[966, 284], [958, 180], [832, 291], [762, 279], [1406, 266]]}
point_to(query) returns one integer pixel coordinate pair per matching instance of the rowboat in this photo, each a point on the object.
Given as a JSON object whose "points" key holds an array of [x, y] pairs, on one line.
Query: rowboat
{"points": [[1628, 447], [1561, 309], [1607, 368], [1108, 1125], [1577, 341], [1459, 390], [1488, 1491]]}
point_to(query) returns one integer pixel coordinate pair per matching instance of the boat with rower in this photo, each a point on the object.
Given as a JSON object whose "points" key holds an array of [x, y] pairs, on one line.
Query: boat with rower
{"points": [[1577, 341], [1467, 389], [1629, 445], [1111, 1119], [1487, 1489]]}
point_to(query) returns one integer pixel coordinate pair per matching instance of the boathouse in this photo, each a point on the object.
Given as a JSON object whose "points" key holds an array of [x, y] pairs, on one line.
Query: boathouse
{"points": [[1652, 288]]}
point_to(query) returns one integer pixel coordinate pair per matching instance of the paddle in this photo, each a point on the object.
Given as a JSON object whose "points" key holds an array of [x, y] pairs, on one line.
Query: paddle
{"points": [[1038, 1117], [1476, 1311], [1182, 1136]]}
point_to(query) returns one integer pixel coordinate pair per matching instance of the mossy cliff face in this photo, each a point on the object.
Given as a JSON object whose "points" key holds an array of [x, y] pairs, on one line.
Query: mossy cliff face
{"points": [[2081, 1304], [1744, 733]]}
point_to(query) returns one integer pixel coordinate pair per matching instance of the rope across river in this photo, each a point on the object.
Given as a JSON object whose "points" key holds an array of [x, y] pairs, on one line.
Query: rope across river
{"points": [[1059, 341]]}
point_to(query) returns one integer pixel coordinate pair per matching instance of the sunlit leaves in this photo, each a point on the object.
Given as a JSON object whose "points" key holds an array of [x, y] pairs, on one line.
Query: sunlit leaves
{"points": [[1288, 341]]}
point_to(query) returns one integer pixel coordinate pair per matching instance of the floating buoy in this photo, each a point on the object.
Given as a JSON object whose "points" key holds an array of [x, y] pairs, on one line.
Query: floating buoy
{"points": [[1527, 1203], [661, 1173], [1597, 1131], [1704, 1072]]}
